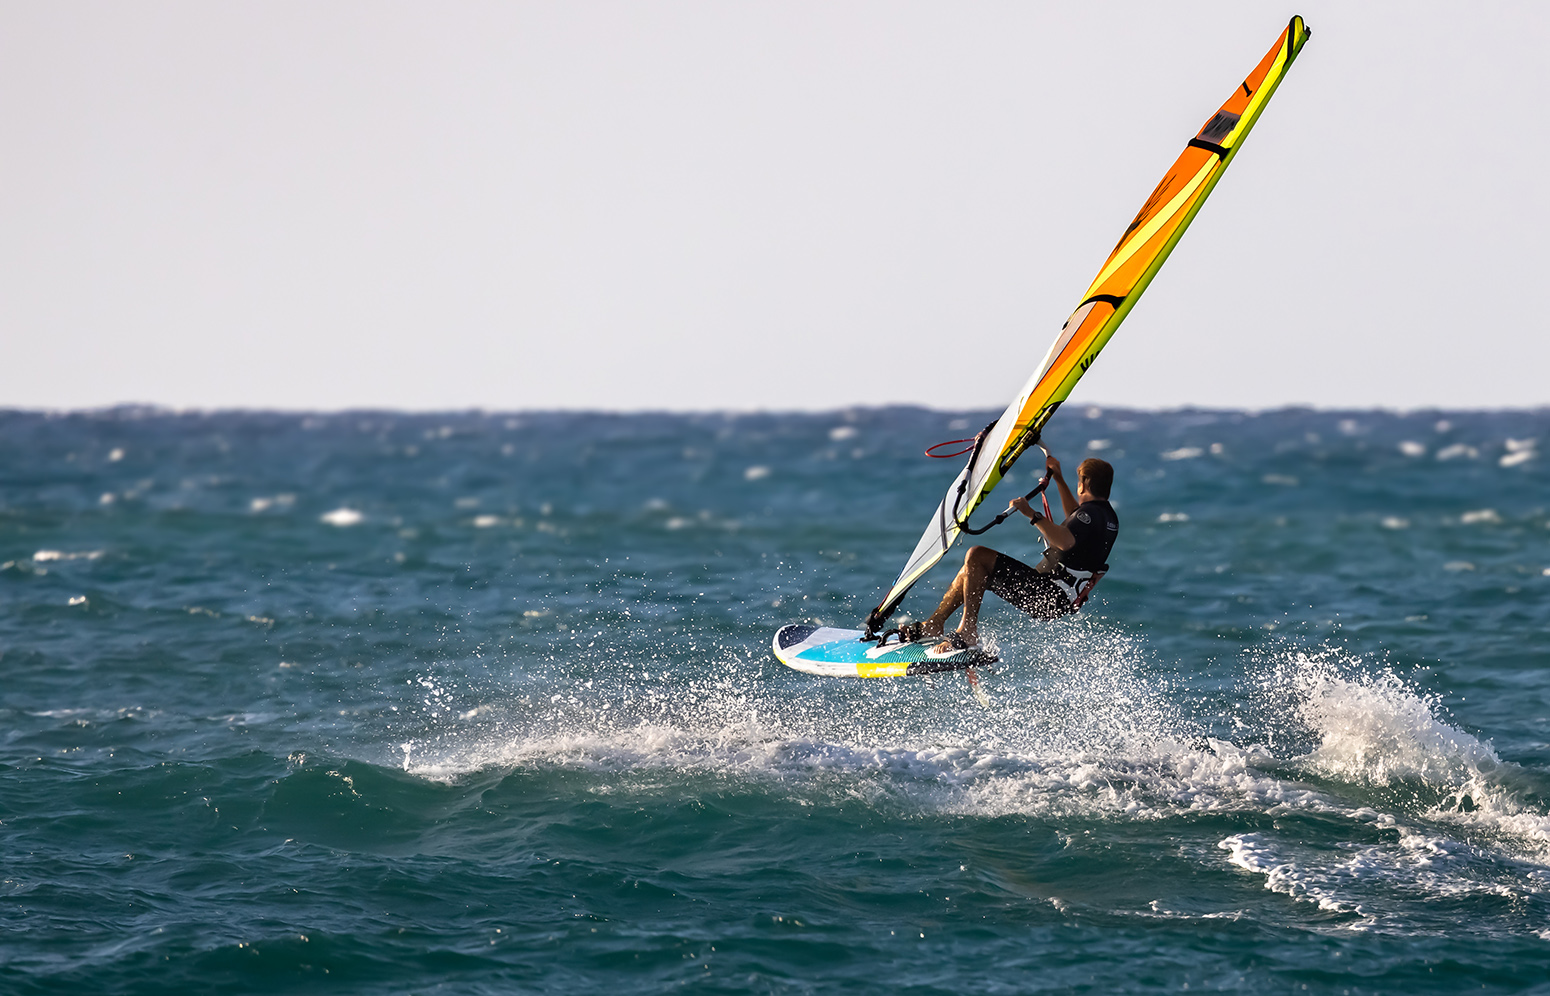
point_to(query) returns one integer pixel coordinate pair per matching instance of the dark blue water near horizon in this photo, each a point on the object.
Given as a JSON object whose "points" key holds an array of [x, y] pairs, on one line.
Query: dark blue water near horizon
{"points": [[374, 702]]}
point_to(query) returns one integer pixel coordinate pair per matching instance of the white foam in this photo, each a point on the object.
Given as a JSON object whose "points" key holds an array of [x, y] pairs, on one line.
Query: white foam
{"points": [[756, 473], [1084, 727], [842, 432], [1253, 853], [1489, 515], [1513, 459], [1095, 733], [1373, 729], [342, 517], [1183, 453], [265, 503], [45, 556], [1411, 448], [1457, 451]]}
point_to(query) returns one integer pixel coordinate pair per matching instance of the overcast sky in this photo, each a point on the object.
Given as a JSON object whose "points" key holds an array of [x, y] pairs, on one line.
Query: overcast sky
{"points": [[758, 205]]}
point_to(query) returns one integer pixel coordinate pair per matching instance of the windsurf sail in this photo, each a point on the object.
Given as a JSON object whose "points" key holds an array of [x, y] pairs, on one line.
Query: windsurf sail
{"points": [[1125, 274]]}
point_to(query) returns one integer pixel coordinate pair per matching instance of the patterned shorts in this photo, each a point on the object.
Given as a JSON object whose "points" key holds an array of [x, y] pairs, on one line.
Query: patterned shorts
{"points": [[1028, 590]]}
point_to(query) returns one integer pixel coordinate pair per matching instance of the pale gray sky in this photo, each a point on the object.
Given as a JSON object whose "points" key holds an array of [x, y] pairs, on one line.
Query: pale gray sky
{"points": [[745, 205]]}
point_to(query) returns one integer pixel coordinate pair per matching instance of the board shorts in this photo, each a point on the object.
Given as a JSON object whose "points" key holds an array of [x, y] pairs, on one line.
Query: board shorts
{"points": [[1039, 595]]}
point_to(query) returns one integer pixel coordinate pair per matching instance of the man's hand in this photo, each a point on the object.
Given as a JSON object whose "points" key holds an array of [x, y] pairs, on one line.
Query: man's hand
{"points": [[1053, 466], [1021, 504]]}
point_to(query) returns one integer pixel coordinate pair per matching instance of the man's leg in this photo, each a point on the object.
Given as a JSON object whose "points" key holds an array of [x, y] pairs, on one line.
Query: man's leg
{"points": [[967, 590], [936, 623]]}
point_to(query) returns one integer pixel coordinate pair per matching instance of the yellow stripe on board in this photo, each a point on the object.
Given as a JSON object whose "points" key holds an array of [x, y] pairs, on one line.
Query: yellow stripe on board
{"points": [[866, 669]]}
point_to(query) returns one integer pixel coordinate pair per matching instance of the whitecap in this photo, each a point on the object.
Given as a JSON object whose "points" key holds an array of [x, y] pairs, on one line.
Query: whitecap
{"points": [[1411, 448], [842, 432], [264, 503], [1513, 459], [1173, 517], [1257, 854], [45, 556], [759, 471], [1183, 453], [1394, 522], [1488, 515], [1456, 451], [342, 517]]}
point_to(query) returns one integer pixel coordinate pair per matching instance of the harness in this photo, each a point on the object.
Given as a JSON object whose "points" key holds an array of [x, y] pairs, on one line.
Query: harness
{"points": [[1077, 585]]}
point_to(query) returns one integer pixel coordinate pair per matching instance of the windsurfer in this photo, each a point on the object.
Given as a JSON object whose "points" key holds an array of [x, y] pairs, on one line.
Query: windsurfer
{"points": [[1074, 559]]}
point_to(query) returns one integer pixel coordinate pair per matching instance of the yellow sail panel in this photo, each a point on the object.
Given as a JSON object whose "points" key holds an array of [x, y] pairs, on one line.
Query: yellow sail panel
{"points": [[1135, 260], [1160, 222]]}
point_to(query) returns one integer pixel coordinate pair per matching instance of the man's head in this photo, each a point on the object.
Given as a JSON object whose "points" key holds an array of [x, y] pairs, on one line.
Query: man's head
{"points": [[1095, 476]]}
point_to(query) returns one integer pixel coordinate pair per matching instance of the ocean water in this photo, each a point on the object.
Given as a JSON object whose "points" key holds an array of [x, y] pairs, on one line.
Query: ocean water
{"points": [[484, 703]]}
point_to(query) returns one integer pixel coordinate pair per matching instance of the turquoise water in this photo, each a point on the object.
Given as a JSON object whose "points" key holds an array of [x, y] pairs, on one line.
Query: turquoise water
{"points": [[484, 703]]}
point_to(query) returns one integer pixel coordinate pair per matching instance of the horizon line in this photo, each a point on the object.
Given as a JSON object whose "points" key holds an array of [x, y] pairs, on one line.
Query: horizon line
{"points": [[1089, 410]]}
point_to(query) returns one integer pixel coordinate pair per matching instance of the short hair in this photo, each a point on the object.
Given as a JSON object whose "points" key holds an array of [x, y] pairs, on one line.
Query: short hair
{"points": [[1099, 474]]}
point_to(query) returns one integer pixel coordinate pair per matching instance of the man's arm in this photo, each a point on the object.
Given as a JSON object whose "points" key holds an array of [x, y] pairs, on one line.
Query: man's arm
{"points": [[1067, 499], [1055, 534]]}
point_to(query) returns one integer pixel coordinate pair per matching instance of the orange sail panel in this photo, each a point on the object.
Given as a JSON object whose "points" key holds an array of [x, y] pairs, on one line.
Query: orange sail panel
{"points": [[1125, 274]]}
